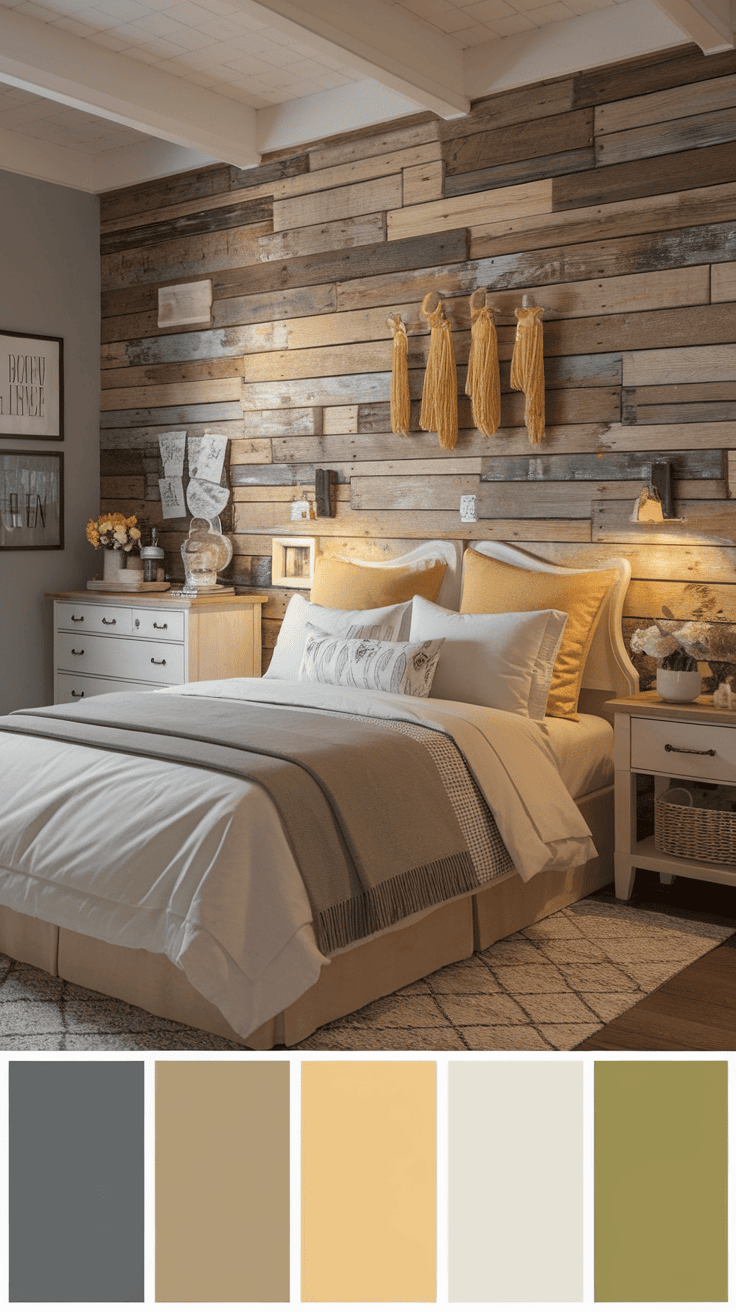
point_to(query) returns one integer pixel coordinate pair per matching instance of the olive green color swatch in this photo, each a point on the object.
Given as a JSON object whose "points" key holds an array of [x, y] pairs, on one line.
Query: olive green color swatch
{"points": [[661, 1164]]}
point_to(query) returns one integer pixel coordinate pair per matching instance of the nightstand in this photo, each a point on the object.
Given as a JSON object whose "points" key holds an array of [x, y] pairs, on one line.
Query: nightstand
{"points": [[670, 741], [108, 642]]}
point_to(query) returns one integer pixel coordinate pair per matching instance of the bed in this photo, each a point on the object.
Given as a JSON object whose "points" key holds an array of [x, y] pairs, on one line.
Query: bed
{"points": [[252, 969]]}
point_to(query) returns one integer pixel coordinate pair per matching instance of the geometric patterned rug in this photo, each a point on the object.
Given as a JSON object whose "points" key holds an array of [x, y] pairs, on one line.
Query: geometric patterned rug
{"points": [[544, 989]]}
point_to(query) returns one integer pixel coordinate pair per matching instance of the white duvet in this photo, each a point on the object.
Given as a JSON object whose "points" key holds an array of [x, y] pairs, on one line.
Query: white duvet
{"points": [[175, 859]]}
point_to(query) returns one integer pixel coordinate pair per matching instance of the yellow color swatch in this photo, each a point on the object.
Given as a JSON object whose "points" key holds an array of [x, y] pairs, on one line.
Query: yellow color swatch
{"points": [[369, 1209]]}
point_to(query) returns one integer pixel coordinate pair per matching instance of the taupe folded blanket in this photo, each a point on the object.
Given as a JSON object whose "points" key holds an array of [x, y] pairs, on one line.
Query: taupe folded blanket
{"points": [[364, 810]]}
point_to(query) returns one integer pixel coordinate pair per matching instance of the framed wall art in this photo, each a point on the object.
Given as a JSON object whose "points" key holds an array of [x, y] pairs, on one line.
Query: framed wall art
{"points": [[31, 386], [31, 500]]}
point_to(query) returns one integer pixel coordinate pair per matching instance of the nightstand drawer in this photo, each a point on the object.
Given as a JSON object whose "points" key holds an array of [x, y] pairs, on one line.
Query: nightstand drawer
{"points": [[163, 625], [123, 658], [687, 750], [89, 618], [73, 687]]}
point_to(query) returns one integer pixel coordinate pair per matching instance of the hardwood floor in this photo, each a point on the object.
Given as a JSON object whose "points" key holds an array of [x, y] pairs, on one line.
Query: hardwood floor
{"points": [[694, 1011]]}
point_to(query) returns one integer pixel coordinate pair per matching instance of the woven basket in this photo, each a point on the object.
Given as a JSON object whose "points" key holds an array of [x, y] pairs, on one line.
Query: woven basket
{"points": [[697, 832]]}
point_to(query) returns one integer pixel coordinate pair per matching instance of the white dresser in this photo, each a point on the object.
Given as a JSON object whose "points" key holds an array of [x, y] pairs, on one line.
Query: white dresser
{"points": [[105, 642]]}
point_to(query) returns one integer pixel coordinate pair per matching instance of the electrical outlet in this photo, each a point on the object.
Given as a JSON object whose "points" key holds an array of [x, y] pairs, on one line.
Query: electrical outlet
{"points": [[468, 509]]}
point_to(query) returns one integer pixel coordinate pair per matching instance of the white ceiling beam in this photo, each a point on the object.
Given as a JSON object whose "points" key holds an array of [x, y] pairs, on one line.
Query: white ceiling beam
{"points": [[39, 57], [623, 31], [710, 23], [46, 161], [383, 43], [363, 104], [128, 166]]}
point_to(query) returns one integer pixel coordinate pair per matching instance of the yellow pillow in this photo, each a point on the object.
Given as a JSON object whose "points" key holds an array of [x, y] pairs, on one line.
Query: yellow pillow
{"points": [[344, 586], [494, 587]]}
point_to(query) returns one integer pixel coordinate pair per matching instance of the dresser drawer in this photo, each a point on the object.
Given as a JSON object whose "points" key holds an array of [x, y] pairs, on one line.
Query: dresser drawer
{"points": [[124, 658], [85, 618], [690, 751], [73, 687], [165, 625]]}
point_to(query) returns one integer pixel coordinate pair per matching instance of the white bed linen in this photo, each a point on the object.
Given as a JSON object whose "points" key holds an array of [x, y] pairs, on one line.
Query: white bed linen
{"points": [[194, 864], [583, 751]]}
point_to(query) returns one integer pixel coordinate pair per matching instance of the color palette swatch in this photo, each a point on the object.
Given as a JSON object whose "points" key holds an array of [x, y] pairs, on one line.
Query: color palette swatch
{"points": [[76, 1217], [222, 1182], [369, 1202], [515, 1182], [661, 1167]]}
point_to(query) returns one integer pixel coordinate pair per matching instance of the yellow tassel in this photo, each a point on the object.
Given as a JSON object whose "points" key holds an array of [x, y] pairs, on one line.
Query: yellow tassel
{"points": [[527, 368], [483, 384], [400, 399], [439, 397]]}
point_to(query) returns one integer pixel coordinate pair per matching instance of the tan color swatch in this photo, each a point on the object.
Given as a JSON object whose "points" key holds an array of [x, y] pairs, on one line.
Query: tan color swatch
{"points": [[222, 1181], [661, 1164], [369, 1191]]}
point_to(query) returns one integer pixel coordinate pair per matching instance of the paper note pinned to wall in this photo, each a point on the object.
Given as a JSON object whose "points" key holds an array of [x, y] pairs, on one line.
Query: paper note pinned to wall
{"points": [[207, 456], [173, 505], [206, 500], [172, 447], [188, 302]]}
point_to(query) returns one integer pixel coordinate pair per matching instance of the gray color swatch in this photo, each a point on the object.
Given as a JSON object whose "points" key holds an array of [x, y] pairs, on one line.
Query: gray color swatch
{"points": [[76, 1182]]}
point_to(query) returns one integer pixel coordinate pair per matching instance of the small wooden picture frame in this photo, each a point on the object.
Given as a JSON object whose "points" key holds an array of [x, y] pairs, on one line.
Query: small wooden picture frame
{"points": [[292, 562]]}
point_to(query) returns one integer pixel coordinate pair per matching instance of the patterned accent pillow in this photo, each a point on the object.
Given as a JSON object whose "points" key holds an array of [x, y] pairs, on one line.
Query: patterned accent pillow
{"points": [[401, 667]]}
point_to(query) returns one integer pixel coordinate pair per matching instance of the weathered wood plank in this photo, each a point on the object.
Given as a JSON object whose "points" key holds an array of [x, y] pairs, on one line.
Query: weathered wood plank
{"points": [[661, 106], [423, 524], [423, 182], [443, 215], [563, 406], [266, 307], [553, 135], [573, 500], [297, 393], [211, 344], [730, 459], [290, 474], [126, 461], [364, 230], [338, 203], [504, 108], [655, 328], [217, 219], [423, 252], [529, 170], [661, 437], [347, 358], [680, 393], [277, 422], [279, 495], [704, 601], [690, 364], [351, 146], [650, 73], [184, 257], [723, 283], [636, 465], [122, 486], [246, 451], [646, 253], [178, 371], [700, 205], [358, 170], [697, 412], [415, 492], [169, 212], [196, 185], [171, 395], [340, 419], [662, 174], [666, 138], [174, 416], [388, 446], [707, 521], [146, 437]]}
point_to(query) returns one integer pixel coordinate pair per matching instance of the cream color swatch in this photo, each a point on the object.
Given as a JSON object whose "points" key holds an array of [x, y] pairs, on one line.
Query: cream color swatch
{"points": [[515, 1182], [222, 1181], [368, 1181]]}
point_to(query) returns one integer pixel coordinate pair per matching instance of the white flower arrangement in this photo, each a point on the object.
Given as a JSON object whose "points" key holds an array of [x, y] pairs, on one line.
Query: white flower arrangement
{"points": [[678, 645]]}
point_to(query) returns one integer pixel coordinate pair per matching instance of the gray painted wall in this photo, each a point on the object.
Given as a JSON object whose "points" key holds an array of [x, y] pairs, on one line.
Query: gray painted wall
{"points": [[49, 237]]}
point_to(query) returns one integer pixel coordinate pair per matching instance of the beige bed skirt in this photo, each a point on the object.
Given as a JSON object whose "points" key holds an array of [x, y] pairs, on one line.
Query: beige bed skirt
{"points": [[354, 978]]}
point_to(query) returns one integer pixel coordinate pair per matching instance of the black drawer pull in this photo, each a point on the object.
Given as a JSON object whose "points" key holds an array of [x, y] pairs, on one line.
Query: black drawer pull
{"points": [[153, 662], [690, 751], [104, 621], [77, 619], [160, 626], [78, 653], [77, 694]]}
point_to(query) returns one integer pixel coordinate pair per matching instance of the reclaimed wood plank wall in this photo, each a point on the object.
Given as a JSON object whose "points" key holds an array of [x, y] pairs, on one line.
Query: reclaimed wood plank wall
{"points": [[610, 196]]}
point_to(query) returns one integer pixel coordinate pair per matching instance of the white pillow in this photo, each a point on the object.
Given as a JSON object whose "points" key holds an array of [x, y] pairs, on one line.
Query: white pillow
{"points": [[401, 667], [384, 622], [505, 661]]}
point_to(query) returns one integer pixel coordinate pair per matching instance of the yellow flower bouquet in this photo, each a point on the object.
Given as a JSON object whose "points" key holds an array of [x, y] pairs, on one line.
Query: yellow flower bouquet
{"points": [[114, 532]]}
